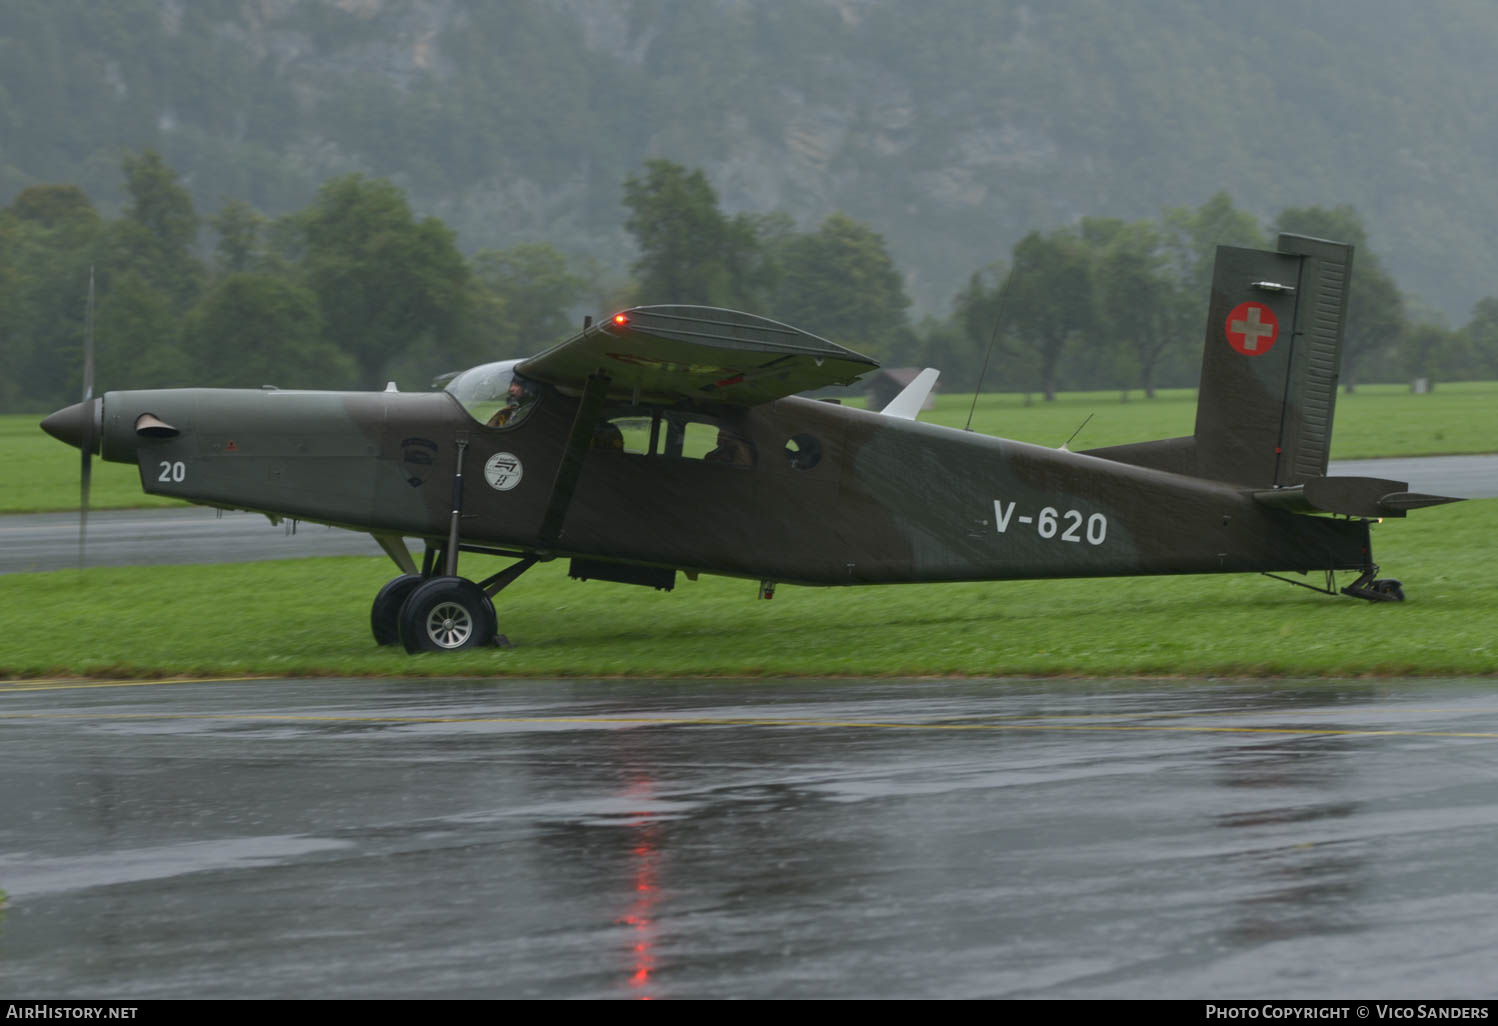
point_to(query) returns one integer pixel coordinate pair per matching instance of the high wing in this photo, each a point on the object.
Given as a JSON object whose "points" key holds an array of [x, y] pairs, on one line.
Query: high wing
{"points": [[697, 352]]}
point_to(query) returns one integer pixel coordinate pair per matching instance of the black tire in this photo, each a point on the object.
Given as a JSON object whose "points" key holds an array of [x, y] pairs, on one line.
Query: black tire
{"points": [[1390, 587], [384, 615], [447, 614]]}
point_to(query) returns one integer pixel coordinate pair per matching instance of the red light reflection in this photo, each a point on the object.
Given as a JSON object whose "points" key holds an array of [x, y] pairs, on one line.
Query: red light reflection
{"points": [[644, 854]]}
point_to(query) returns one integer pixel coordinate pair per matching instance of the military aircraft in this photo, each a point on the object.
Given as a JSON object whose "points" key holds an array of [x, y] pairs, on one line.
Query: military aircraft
{"points": [[669, 439]]}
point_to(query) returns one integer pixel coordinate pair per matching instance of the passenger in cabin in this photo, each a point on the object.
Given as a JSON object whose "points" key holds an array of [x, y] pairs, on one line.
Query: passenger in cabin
{"points": [[732, 449], [608, 436]]}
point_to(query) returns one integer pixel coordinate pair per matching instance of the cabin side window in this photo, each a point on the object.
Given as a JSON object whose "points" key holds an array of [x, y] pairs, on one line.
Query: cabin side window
{"points": [[494, 395], [630, 432], [674, 434], [803, 451]]}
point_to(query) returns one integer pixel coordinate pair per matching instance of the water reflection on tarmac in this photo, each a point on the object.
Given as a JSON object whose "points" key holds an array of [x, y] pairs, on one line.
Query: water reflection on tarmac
{"points": [[1088, 839]]}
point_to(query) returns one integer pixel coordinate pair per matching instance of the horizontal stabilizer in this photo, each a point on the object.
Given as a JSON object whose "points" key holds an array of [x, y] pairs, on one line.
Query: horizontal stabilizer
{"points": [[1403, 501], [907, 405], [1349, 496]]}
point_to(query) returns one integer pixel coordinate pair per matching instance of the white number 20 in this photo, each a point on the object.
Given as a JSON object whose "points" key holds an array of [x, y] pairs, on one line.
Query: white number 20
{"points": [[173, 471]]}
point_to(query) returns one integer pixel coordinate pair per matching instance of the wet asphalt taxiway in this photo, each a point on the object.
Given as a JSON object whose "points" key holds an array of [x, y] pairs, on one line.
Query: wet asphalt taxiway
{"points": [[983, 838]]}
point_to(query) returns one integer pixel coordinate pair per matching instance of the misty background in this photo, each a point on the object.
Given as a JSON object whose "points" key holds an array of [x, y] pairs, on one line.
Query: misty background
{"points": [[925, 142]]}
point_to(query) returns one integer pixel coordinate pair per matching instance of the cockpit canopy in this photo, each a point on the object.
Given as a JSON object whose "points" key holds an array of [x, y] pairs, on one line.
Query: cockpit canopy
{"points": [[494, 395]]}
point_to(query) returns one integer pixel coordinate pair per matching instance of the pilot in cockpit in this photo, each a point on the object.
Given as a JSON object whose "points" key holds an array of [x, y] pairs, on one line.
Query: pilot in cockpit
{"points": [[519, 397]]}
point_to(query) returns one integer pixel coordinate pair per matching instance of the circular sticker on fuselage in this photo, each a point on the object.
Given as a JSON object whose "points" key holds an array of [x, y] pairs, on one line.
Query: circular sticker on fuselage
{"points": [[502, 471]]}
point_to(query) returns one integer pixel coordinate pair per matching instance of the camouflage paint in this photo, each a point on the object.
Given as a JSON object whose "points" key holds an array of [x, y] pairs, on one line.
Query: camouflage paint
{"points": [[889, 500]]}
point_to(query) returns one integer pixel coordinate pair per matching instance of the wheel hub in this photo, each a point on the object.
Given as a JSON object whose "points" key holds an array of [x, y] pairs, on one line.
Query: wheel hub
{"points": [[449, 625]]}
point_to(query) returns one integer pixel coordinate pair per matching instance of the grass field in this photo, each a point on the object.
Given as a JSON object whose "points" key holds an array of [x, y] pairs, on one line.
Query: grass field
{"points": [[1378, 420], [310, 617]]}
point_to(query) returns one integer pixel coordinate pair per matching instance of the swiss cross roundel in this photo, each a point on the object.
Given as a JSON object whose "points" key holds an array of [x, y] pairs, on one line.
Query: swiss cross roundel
{"points": [[1252, 329]]}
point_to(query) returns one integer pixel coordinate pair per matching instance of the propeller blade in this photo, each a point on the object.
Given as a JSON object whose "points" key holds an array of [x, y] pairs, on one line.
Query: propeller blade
{"points": [[88, 341], [85, 475], [86, 471]]}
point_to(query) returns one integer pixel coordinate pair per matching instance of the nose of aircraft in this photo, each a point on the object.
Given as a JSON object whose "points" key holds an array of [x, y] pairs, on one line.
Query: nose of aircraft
{"points": [[69, 424]]}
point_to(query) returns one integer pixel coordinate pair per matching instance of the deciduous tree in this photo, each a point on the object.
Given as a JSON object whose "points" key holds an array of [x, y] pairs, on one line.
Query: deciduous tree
{"points": [[1047, 301], [1481, 332], [158, 232], [1192, 238], [1375, 310], [839, 282], [534, 291], [238, 227], [384, 281], [1143, 309], [256, 328], [690, 252]]}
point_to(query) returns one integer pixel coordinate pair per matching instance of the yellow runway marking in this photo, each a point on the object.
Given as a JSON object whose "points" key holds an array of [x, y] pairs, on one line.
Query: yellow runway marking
{"points": [[658, 721], [64, 684]]}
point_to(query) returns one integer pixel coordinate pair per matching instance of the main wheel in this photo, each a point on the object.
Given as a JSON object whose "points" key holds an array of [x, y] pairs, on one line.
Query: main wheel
{"points": [[384, 615], [1391, 588], [444, 614]]}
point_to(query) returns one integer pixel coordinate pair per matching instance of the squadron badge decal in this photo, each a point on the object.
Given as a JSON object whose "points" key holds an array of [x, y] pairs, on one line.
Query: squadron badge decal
{"points": [[417, 457], [502, 471]]}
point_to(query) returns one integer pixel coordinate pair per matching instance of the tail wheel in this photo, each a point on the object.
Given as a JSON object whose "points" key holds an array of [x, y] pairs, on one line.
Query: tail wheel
{"points": [[384, 615], [446, 614]]}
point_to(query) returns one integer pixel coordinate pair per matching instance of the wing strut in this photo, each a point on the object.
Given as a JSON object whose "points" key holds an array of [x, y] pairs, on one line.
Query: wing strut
{"points": [[395, 547], [579, 440]]}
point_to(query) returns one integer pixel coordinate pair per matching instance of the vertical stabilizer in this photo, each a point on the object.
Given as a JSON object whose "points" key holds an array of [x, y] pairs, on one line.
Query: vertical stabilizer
{"points": [[1270, 367], [907, 405]]}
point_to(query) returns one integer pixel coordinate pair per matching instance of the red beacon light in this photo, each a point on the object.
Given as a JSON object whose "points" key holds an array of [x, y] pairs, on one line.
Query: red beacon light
{"points": [[620, 319]]}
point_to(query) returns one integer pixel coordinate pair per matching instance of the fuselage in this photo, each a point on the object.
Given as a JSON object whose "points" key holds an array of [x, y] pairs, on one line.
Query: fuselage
{"points": [[807, 492]]}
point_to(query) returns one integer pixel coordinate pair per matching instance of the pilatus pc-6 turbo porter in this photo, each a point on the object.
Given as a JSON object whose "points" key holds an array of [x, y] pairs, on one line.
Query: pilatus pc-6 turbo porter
{"points": [[670, 439]]}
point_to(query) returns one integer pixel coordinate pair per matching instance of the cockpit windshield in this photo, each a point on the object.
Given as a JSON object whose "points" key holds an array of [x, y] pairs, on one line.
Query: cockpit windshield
{"points": [[494, 395]]}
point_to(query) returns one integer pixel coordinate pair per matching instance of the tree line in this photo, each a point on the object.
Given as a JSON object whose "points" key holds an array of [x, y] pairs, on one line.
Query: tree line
{"points": [[1105, 303], [347, 293], [355, 290]]}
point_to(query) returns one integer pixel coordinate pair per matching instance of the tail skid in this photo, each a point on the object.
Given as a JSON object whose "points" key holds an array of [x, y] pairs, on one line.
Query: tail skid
{"points": [[1366, 587]]}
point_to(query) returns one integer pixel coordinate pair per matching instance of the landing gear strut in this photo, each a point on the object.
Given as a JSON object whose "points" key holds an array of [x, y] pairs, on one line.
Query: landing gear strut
{"points": [[438, 611]]}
